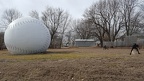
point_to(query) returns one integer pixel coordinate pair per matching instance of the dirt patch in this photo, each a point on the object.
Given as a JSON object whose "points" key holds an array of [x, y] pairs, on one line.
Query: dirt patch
{"points": [[95, 64]]}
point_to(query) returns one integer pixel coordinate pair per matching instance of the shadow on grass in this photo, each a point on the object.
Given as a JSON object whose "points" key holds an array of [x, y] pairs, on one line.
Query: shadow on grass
{"points": [[49, 52], [59, 52]]}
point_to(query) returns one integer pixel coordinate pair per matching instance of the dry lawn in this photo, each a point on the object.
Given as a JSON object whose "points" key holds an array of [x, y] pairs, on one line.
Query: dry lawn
{"points": [[73, 64]]}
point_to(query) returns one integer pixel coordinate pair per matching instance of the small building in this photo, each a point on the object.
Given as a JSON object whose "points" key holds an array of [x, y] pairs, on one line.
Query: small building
{"points": [[85, 42]]}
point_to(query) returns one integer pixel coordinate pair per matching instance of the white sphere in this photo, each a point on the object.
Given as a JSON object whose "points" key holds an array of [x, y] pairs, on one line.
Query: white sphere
{"points": [[27, 35]]}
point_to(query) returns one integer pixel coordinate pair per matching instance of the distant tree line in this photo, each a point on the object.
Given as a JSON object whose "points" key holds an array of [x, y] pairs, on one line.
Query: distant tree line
{"points": [[105, 20], [109, 19]]}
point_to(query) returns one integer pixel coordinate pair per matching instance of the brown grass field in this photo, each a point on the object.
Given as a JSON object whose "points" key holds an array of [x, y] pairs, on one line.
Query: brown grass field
{"points": [[73, 64]]}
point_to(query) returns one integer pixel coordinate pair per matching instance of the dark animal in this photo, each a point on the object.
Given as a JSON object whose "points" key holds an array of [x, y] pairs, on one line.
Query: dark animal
{"points": [[105, 47]]}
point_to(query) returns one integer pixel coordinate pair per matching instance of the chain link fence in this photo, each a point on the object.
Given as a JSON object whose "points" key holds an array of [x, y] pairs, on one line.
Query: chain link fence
{"points": [[127, 42]]}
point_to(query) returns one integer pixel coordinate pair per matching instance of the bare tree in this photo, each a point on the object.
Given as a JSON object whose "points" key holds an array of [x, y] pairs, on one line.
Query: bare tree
{"points": [[105, 18], [64, 25], [90, 14], [142, 9], [114, 19], [142, 16], [34, 14], [130, 15], [110, 17], [57, 20], [142, 6], [68, 39], [83, 28], [8, 16]]}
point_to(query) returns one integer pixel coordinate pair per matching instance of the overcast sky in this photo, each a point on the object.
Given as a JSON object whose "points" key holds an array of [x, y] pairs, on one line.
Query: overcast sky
{"points": [[74, 7]]}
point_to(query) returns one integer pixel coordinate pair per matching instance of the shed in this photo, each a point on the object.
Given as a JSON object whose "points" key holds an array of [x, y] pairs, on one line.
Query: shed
{"points": [[85, 42]]}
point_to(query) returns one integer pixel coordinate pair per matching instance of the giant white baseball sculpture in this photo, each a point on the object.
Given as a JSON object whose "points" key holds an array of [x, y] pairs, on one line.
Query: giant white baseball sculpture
{"points": [[26, 36]]}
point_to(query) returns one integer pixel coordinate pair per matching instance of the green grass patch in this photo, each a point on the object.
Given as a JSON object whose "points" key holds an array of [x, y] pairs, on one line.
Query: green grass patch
{"points": [[48, 56], [56, 56]]}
